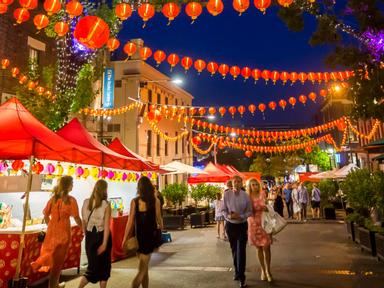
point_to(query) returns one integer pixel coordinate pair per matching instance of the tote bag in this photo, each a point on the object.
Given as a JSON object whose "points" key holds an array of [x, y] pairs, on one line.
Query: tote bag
{"points": [[272, 222]]}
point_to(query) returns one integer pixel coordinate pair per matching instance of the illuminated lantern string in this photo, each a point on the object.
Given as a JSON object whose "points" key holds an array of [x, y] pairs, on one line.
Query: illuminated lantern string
{"points": [[92, 32], [41, 21], [123, 11], [21, 15], [193, 10], [52, 6], [3, 8], [240, 6], [130, 49], [215, 7], [146, 11], [61, 28], [171, 11], [186, 63], [74, 8]]}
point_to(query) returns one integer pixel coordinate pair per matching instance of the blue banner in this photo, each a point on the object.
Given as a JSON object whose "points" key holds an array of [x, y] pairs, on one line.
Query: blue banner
{"points": [[108, 88]]}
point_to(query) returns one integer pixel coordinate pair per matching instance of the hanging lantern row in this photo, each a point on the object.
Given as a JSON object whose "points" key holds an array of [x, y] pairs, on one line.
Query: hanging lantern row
{"points": [[368, 136], [201, 151], [13, 167], [246, 73], [111, 112], [24, 80], [155, 128]]}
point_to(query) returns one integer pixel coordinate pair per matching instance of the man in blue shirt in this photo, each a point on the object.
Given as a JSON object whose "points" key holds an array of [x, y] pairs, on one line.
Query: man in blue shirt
{"points": [[287, 191], [237, 208]]}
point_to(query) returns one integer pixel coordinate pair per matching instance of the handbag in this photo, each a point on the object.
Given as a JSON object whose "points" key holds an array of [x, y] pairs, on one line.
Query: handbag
{"points": [[272, 222], [131, 244], [41, 235]]}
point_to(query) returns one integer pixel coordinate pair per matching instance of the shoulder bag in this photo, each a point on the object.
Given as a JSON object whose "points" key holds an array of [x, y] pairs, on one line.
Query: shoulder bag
{"points": [[272, 222], [131, 244]]}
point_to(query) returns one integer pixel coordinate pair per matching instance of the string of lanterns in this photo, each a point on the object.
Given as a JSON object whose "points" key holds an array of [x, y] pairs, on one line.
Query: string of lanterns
{"points": [[200, 151], [56, 170], [111, 112], [164, 136], [368, 136]]}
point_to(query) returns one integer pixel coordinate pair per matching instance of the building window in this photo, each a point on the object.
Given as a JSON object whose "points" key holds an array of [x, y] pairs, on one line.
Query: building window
{"points": [[158, 98], [149, 98], [176, 101], [166, 145], [34, 59], [176, 144], [182, 145], [158, 139], [113, 128], [149, 143], [166, 100], [189, 148]]}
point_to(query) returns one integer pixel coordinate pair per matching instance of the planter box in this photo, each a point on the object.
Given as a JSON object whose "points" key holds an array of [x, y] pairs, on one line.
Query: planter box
{"points": [[198, 219], [173, 222], [351, 231], [329, 213], [379, 246], [367, 240], [356, 232], [210, 217]]}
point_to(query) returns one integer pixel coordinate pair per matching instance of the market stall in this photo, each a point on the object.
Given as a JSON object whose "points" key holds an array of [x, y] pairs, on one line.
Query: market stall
{"points": [[213, 175]]}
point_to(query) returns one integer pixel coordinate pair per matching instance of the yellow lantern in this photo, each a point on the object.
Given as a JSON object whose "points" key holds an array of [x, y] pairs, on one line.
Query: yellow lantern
{"points": [[85, 173], [59, 169], [94, 172], [71, 170]]}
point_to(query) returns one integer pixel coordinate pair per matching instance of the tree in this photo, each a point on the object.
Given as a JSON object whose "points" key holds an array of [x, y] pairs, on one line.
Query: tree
{"points": [[275, 165], [175, 192], [316, 157]]}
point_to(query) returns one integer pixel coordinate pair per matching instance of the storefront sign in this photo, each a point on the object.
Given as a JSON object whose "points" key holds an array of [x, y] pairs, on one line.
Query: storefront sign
{"points": [[108, 88]]}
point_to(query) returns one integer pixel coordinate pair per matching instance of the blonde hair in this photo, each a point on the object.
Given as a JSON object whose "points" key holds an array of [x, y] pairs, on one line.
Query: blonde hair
{"points": [[249, 186], [62, 189], [99, 194]]}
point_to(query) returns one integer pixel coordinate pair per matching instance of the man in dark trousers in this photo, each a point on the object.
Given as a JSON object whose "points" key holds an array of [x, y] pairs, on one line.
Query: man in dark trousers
{"points": [[236, 209]]}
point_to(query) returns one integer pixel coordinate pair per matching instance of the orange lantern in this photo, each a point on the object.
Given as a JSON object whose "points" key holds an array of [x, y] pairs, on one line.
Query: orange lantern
{"points": [[262, 5], [266, 74], [241, 110], [223, 70], [262, 107], [196, 140], [212, 67], [308, 149], [319, 77], [92, 32], [215, 7], [212, 110], [40, 90], [61, 28], [326, 77], [292, 101], [246, 73], [21, 15], [28, 4], [145, 53], [14, 72], [17, 165], [285, 3], [293, 77], [3, 8], [333, 76], [272, 105], [130, 48], [240, 5], [31, 85], [113, 44], [146, 11], [312, 77], [123, 11], [302, 77], [202, 111], [74, 8], [284, 76], [173, 59], [5, 63], [303, 99], [252, 109], [323, 93], [6, 2], [199, 65], [256, 74], [41, 21], [193, 10], [222, 111], [170, 10], [186, 63], [159, 56], [248, 153], [232, 110], [275, 76], [23, 79], [312, 96], [52, 6], [234, 71]]}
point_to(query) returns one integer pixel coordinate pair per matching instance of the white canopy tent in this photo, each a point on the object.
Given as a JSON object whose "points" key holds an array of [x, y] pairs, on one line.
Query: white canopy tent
{"points": [[344, 171], [324, 175], [177, 167]]}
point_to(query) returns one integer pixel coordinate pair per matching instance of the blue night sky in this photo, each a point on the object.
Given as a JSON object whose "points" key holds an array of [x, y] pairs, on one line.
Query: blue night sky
{"points": [[254, 40]]}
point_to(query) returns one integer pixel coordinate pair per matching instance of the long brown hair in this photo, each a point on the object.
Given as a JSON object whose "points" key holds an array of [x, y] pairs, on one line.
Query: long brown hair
{"points": [[63, 188], [99, 194], [249, 187], [146, 192]]}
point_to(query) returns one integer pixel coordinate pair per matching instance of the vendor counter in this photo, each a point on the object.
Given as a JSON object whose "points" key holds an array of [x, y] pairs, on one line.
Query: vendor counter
{"points": [[117, 227], [9, 248]]}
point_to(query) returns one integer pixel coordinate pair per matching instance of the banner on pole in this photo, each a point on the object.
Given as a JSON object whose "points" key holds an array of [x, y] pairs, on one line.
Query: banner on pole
{"points": [[108, 88]]}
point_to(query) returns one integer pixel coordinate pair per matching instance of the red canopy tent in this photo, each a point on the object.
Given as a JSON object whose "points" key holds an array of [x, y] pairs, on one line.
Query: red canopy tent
{"points": [[214, 175], [117, 146], [76, 133]]}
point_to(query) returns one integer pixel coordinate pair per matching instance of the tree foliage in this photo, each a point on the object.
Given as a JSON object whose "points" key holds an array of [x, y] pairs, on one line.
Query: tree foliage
{"points": [[202, 192], [175, 192]]}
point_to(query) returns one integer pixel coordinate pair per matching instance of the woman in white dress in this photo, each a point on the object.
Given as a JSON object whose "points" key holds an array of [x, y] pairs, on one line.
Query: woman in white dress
{"points": [[295, 202]]}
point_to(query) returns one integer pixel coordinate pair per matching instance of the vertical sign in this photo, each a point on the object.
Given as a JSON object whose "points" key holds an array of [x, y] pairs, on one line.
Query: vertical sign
{"points": [[108, 88]]}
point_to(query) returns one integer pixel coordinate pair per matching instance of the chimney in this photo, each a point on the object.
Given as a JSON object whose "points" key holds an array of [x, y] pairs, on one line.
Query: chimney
{"points": [[139, 44]]}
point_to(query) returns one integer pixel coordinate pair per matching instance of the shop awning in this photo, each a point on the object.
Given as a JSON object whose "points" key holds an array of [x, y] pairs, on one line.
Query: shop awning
{"points": [[181, 168], [214, 175], [117, 146], [23, 136], [76, 133], [323, 175], [344, 171], [377, 143], [380, 157]]}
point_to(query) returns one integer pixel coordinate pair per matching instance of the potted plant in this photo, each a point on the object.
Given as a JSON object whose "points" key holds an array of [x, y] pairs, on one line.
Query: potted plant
{"points": [[198, 193], [175, 193], [379, 235], [328, 190]]}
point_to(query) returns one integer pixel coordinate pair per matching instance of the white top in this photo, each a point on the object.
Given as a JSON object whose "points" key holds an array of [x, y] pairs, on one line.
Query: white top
{"points": [[218, 204], [97, 217]]}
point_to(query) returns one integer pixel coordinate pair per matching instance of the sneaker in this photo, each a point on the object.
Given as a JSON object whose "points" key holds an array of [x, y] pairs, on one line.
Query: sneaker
{"points": [[61, 285], [243, 284]]}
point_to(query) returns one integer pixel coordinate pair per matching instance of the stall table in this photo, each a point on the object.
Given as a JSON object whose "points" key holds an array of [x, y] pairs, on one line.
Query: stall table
{"points": [[117, 226], [9, 247]]}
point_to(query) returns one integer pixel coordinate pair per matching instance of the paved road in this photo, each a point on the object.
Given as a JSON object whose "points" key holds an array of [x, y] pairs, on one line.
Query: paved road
{"points": [[312, 255]]}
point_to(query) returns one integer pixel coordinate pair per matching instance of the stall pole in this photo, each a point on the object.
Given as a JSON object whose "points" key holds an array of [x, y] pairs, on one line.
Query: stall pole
{"points": [[26, 206]]}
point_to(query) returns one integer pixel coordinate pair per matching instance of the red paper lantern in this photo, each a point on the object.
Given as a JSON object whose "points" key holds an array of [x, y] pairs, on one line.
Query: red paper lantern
{"points": [[92, 32], [123, 11], [285, 3], [275, 76], [240, 5], [3, 8], [173, 59], [293, 77], [262, 5], [312, 96], [252, 109], [61, 28], [193, 10], [212, 67], [319, 77], [234, 71], [14, 72], [302, 77], [21, 15], [52, 6], [31, 85], [223, 70], [262, 107], [303, 99], [266, 74], [333, 76], [215, 7], [37, 168], [222, 111], [74, 8], [282, 104], [159, 56], [246, 73], [145, 53], [248, 153], [146, 11], [323, 93], [5, 63], [199, 65], [6, 2], [326, 77], [40, 90], [308, 149], [186, 63], [28, 4], [196, 140], [130, 48], [17, 165], [232, 110], [212, 110], [272, 105], [154, 115], [202, 111], [241, 110], [23, 79], [292, 101], [312, 77], [170, 10], [41, 21], [256, 74], [113, 44]]}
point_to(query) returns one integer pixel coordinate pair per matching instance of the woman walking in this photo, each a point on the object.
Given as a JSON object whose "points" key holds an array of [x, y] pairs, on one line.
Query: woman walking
{"points": [[219, 217], [296, 203], [146, 223], [256, 234], [96, 213], [57, 215]]}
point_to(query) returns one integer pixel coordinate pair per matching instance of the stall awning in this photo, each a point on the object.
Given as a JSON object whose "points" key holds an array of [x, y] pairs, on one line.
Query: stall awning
{"points": [[214, 175], [323, 175], [76, 133], [180, 168], [23, 136], [344, 171], [377, 143]]}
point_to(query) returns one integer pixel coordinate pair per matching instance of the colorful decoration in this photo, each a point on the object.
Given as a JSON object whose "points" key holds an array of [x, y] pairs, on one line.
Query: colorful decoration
{"points": [[170, 10], [21, 15], [74, 8], [193, 10], [130, 49], [146, 11], [52, 6], [113, 44], [61, 28], [123, 11], [262, 5], [215, 7], [240, 6], [41, 21], [92, 32]]}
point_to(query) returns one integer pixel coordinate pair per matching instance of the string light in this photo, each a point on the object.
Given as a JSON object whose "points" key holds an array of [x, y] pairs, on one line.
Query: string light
{"points": [[157, 130], [370, 135], [200, 151]]}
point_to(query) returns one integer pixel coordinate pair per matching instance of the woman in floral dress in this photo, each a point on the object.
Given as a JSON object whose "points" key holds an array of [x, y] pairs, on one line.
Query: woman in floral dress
{"points": [[256, 234]]}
